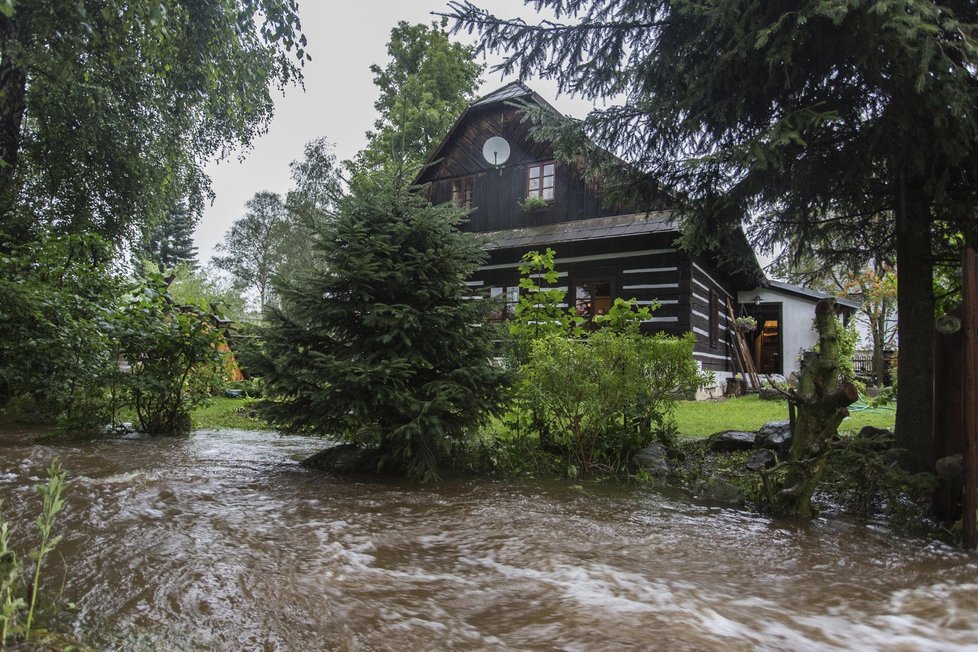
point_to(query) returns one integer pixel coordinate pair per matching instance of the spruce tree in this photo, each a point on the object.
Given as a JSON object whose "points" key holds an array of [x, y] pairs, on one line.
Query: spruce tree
{"points": [[380, 344], [171, 241]]}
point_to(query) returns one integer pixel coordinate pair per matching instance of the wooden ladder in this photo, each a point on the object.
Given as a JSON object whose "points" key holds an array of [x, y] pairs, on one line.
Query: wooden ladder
{"points": [[742, 356]]}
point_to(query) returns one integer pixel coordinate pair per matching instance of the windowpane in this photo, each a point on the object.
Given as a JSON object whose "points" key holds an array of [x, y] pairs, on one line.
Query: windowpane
{"points": [[592, 297], [540, 180], [582, 304], [463, 192]]}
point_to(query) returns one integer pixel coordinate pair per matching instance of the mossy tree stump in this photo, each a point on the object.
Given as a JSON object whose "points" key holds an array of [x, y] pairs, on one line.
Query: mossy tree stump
{"points": [[819, 405]]}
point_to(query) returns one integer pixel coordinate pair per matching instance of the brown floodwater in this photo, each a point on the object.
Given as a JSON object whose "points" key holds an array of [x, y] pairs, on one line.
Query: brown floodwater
{"points": [[221, 541]]}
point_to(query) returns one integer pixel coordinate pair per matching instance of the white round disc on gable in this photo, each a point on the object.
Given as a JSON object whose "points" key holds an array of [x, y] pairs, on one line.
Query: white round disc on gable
{"points": [[496, 150]]}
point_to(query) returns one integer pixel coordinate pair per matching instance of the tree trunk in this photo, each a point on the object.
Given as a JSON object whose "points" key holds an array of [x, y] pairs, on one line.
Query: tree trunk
{"points": [[14, 36], [915, 328], [820, 406]]}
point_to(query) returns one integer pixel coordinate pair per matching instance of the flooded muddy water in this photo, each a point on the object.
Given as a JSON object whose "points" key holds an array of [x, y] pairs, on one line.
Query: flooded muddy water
{"points": [[221, 541]]}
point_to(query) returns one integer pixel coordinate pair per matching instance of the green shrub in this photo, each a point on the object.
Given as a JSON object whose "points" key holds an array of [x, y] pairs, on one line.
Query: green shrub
{"points": [[56, 295], [600, 399], [173, 356], [538, 312]]}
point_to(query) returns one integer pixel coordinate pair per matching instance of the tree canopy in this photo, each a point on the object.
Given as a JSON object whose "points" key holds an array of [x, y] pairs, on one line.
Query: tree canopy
{"points": [[427, 82], [109, 109], [253, 247], [801, 119]]}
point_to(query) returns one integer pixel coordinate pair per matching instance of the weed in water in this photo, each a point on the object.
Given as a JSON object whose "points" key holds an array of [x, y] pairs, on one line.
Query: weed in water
{"points": [[10, 569], [12, 604]]}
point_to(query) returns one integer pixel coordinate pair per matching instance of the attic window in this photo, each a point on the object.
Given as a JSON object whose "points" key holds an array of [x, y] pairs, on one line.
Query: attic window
{"points": [[540, 180], [462, 192]]}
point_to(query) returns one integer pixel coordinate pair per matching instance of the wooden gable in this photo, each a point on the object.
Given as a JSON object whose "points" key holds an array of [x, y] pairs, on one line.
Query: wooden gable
{"points": [[461, 154], [498, 191]]}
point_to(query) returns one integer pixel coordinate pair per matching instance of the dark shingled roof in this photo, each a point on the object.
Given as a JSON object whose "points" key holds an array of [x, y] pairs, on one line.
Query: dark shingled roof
{"points": [[596, 228], [507, 92]]}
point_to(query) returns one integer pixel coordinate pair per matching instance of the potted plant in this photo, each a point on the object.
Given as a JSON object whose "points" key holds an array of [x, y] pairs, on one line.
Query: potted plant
{"points": [[533, 203], [745, 324]]}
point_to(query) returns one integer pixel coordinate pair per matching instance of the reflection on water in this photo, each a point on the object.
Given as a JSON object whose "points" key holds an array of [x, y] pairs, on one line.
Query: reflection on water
{"points": [[221, 541]]}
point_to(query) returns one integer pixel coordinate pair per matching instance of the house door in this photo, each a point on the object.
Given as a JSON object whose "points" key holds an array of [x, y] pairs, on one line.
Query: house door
{"points": [[766, 343], [592, 296]]}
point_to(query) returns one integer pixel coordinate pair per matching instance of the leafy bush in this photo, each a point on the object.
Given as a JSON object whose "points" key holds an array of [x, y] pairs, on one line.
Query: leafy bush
{"points": [[56, 295], [67, 320], [538, 312], [173, 356], [601, 397], [625, 316]]}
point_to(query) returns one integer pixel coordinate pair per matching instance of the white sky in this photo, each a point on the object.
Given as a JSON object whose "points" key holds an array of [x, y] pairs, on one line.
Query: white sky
{"points": [[344, 40]]}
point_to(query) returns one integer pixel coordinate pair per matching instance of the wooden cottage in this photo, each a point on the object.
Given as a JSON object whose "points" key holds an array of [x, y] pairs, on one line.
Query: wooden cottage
{"points": [[521, 199]]}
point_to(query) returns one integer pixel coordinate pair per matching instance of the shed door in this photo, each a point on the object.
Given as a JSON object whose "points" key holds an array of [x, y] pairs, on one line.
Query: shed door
{"points": [[765, 343]]}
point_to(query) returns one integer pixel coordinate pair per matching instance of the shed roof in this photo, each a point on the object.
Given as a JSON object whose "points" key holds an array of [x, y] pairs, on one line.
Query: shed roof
{"points": [[807, 293]]}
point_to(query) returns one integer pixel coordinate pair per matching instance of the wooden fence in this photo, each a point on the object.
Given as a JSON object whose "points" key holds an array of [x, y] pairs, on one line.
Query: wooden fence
{"points": [[862, 362]]}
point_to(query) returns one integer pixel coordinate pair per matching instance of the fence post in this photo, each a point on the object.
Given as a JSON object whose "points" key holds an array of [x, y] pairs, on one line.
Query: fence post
{"points": [[969, 269]]}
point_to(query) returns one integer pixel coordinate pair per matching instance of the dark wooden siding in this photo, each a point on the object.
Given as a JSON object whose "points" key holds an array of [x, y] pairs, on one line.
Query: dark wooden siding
{"points": [[645, 268], [704, 277], [498, 191]]}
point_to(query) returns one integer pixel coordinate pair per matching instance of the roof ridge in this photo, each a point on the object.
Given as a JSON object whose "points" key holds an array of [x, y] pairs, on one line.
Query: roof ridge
{"points": [[500, 93]]}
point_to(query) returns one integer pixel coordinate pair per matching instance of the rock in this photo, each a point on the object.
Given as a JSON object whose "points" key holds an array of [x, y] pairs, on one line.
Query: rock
{"points": [[343, 458], [775, 379], [234, 393], [652, 459], [872, 432], [762, 459], [775, 436], [718, 491], [731, 441], [769, 394], [950, 468], [881, 437]]}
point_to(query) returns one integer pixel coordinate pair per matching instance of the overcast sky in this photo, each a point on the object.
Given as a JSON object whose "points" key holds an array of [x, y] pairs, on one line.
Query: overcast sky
{"points": [[337, 103]]}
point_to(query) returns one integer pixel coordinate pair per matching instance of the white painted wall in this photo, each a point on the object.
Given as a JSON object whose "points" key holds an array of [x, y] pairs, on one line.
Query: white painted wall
{"points": [[797, 315]]}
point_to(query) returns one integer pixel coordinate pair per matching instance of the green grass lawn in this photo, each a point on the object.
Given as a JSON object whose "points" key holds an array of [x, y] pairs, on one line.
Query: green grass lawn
{"points": [[224, 412], [703, 418]]}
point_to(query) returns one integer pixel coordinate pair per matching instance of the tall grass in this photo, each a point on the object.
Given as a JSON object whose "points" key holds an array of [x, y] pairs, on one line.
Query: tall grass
{"points": [[12, 604]]}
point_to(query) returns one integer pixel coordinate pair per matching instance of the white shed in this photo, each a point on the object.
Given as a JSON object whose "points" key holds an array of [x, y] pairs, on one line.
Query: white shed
{"points": [[785, 314]]}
